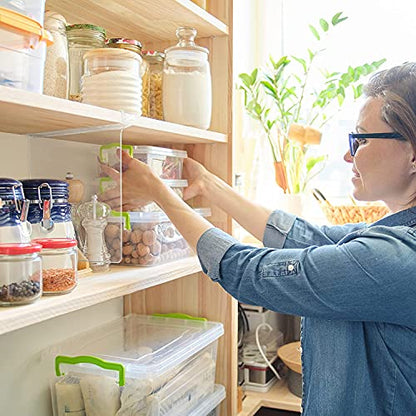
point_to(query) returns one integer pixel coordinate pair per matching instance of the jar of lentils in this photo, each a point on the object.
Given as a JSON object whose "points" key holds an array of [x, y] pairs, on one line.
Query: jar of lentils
{"points": [[20, 273], [59, 264], [81, 38]]}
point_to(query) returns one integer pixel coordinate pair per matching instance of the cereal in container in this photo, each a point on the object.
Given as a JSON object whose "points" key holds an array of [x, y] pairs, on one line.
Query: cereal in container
{"points": [[154, 73]]}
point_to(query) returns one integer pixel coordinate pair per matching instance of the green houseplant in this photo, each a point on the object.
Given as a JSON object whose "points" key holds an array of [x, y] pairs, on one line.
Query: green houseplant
{"points": [[292, 99]]}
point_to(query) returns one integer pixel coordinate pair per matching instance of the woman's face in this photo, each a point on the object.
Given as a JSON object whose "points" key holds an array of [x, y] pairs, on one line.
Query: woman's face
{"points": [[383, 169]]}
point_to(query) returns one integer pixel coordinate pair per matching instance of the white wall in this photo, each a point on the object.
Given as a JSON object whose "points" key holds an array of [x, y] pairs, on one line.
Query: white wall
{"points": [[24, 379]]}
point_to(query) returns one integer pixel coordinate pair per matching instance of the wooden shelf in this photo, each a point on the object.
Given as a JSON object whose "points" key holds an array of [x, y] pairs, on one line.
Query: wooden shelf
{"points": [[278, 397], [23, 112], [145, 20], [95, 288]]}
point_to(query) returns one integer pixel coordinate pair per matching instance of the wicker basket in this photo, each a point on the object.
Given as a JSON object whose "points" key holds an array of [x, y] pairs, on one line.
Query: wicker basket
{"points": [[343, 214]]}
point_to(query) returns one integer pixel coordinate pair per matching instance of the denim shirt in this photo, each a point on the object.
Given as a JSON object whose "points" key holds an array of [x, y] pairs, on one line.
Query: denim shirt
{"points": [[354, 286]]}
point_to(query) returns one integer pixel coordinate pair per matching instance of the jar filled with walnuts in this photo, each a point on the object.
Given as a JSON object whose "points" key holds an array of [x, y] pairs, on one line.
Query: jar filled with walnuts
{"points": [[152, 85]]}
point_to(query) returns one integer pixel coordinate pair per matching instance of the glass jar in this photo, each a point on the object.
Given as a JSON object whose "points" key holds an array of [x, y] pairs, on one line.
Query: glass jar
{"points": [[152, 93], [81, 38], [187, 95], [20, 273], [14, 227], [59, 264], [49, 210], [112, 79], [56, 75]]}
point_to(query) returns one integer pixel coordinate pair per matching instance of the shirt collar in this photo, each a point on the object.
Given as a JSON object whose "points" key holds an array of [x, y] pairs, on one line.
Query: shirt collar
{"points": [[406, 217]]}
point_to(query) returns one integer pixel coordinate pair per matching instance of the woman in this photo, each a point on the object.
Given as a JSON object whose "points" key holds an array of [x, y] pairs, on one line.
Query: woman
{"points": [[355, 285]]}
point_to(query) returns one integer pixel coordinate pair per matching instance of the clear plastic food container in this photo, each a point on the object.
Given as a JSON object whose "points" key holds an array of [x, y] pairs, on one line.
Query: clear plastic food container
{"points": [[23, 44], [148, 238], [209, 406], [59, 265], [142, 365], [20, 273], [177, 185], [30, 8], [167, 163]]}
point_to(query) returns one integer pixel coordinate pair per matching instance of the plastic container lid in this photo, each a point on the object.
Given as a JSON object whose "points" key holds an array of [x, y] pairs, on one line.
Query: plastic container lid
{"points": [[159, 151], [29, 31], [147, 346], [15, 249], [55, 242]]}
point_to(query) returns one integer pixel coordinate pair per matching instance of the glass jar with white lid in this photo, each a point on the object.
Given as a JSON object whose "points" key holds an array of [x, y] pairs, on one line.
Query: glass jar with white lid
{"points": [[187, 91], [112, 79]]}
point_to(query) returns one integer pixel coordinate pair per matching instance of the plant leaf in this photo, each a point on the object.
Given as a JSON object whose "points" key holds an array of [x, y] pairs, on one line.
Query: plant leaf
{"points": [[336, 19], [246, 78], [314, 32], [324, 25]]}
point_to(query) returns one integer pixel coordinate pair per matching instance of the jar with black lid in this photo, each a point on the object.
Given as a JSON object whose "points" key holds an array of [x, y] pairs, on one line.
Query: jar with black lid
{"points": [[14, 227], [49, 209]]}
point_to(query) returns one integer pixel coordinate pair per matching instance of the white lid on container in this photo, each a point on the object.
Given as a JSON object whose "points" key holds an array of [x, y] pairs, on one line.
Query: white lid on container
{"points": [[147, 346], [159, 151]]}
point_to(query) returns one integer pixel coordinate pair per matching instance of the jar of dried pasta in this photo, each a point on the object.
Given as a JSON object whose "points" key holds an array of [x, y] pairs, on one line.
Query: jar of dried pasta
{"points": [[152, 99], [59, 264]]}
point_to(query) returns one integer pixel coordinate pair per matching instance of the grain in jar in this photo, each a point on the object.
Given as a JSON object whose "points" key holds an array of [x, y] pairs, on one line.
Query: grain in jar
{"points": [[81, 38], [152, 93], [56, 75], [112, 79]]}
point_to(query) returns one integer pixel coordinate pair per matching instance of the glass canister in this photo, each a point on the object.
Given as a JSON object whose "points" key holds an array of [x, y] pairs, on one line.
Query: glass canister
{"points": [[112, 79], [152, 93], [59, 265], [20, 273], [187, 91], [81, 38], [49, 209], [14, 227], [56, 75]]}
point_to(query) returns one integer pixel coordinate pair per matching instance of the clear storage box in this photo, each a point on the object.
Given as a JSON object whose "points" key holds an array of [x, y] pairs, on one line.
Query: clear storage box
{"points": [[23, 44], [148, 238], [167, 163], [30, 8], [141, 365], [209, 406]]}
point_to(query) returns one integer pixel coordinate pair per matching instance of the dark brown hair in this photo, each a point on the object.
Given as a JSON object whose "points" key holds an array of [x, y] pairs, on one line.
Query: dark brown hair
{"points": [[397, 87]]}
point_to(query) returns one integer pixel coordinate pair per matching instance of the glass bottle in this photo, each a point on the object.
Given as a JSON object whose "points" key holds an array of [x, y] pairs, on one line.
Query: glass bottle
{"points": [[187, 92], [56, 75], [154, 101], [81, 38]]}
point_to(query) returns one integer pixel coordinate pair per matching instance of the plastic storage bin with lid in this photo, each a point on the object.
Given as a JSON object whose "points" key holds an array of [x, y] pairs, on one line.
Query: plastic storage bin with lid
{"points": [[165, 162], [209, 406], [49, 209], [14, 227], [23, 44], [147, 365], [148, 238], [31, 8]]}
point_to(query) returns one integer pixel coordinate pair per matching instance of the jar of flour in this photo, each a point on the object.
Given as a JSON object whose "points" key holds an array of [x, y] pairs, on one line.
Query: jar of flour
{"points": [[187, 95]]}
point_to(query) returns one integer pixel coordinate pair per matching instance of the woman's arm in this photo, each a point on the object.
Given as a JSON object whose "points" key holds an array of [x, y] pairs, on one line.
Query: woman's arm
{"points": [[248, 214]]}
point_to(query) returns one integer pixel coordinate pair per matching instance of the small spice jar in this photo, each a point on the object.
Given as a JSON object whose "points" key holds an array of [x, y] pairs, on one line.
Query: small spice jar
{"points": [[20, 273], [56, 75], [112, 79], [81, 38], [152, 93], [59, 264]]}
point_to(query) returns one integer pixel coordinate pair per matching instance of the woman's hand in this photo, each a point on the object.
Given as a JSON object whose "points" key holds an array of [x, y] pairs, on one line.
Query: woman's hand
{"points": [[197, 177], [140, 184]]}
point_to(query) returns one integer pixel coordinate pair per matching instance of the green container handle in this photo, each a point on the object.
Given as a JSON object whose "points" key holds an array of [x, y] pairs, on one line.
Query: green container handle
{"points": [[88, 359]]}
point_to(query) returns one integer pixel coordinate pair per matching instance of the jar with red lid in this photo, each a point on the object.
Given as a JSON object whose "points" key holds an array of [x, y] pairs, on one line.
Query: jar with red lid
{"points": [[59, 264], [20, 273]]}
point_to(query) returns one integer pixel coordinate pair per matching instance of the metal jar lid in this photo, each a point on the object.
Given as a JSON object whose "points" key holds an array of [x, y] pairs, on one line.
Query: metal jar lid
{"points": [[123, 43], [86, 26]]}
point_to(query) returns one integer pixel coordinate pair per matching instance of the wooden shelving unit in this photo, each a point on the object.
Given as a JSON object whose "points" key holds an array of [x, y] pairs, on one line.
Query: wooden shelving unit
{"points": [[23, 112], [278, 397], [94, 288]]}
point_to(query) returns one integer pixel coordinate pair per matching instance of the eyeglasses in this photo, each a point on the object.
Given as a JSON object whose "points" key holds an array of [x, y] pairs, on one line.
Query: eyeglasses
{"points": [[354, 138]]}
